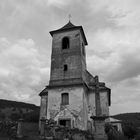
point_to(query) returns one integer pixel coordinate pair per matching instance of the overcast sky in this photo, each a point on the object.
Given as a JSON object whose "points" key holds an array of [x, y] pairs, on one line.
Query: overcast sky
{"points": [[112, 28]]}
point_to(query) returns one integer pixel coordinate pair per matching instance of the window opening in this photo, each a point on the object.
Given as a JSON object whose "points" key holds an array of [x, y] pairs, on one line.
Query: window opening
{"points": [[64, 98], [66, 123], [65, 43], [65, 67]]}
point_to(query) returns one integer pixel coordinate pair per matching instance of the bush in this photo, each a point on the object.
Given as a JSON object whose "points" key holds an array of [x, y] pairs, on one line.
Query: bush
{"points": [[60, 132], [129, 130], [31, 117], [112, 133]]}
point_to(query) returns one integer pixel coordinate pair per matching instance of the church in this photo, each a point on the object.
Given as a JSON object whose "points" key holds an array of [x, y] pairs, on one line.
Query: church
{"points": [[74, 97]]}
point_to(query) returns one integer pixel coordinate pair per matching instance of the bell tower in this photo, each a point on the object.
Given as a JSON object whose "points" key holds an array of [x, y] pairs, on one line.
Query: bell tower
{"points": [[68, 59]]}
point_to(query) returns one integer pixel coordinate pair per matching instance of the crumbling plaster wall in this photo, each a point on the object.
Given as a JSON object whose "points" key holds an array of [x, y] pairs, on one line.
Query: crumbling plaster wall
{"points": [[104, 103], [76, 103]]}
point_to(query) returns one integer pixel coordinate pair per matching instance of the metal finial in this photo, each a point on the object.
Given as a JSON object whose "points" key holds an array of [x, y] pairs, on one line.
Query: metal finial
{"points": [[69, 17]]}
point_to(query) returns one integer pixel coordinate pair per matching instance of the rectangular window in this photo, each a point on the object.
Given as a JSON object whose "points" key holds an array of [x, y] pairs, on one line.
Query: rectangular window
{"points": [[65, 67], [65, 122], [64, 99]]}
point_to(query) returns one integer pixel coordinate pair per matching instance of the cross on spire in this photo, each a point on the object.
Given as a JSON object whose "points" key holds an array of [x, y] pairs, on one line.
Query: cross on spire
{"points": [[69, 17]]}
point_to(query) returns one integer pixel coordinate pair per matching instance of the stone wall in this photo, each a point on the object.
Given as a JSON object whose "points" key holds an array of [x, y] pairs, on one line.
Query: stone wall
{"points": [[72, 57], [104, 104]]}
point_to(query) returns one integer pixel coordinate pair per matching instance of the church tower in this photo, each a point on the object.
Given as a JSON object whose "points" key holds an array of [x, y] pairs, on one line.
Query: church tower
{"points": [[73, 97], [68, 60]]}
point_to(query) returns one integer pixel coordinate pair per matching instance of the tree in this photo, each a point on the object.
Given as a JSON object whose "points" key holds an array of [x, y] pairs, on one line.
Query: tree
{"points": [[129, 130], [2, 116], [15, 116]]}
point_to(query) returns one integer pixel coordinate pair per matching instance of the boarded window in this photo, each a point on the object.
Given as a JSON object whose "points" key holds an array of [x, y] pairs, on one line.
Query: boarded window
{"points": [[65, 43], [64, 98]]}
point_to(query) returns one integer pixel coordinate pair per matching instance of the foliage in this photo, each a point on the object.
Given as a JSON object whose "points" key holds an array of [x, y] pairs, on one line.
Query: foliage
{"points": [[129, 117], [15, 110], [112, 133], [15, 116], [2, 116], [129, 130], [60, 132], [31, 116], [8, 128], [8, 103]]}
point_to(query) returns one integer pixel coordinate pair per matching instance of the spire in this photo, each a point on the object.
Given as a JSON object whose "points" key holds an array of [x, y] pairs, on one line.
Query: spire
{"points": [[69, 26]]}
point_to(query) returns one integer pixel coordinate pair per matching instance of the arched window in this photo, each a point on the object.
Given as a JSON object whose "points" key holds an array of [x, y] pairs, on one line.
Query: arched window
{"points": [[64, 99], [65, 43]]}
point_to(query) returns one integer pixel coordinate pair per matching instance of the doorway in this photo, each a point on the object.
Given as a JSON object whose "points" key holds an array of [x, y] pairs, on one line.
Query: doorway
{"points": [[65, 122]]}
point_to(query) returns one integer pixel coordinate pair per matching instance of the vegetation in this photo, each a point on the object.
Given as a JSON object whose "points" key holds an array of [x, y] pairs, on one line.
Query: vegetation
{"points": [[113, 134], [130, 118], [15, 110], [129, 130], [131, 124], [30, 113], [8, 131], [60, 132], [32, 116], [8, 103]]}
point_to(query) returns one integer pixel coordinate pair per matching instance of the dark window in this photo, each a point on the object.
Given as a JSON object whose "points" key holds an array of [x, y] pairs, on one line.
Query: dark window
{"points": [[65, 67], [64, 98], [65, 43], [66, 123]]}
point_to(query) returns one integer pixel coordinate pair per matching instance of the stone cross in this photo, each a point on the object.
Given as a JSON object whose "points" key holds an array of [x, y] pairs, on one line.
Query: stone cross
{"points": [[97, 97]]}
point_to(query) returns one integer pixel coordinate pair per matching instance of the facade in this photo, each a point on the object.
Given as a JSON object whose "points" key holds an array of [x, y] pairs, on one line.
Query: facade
{"points": [[70, 98]]}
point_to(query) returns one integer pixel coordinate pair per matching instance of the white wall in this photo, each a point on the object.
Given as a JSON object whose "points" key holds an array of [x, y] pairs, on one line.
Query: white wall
{"points": [[104, 103], [91, 107], [76, 103]]}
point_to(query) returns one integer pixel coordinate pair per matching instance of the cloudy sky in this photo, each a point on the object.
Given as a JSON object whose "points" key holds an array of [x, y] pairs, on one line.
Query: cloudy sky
{"points": [[112, 28]]}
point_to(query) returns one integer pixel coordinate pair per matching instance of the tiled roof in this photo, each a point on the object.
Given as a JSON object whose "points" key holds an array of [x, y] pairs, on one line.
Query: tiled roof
{"points": [[68, 25]]}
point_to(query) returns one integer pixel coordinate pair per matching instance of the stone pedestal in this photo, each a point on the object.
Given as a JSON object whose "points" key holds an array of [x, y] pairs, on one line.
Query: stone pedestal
{"points": [[99, 123], [20, 129], [42, 129], [100, 130]]}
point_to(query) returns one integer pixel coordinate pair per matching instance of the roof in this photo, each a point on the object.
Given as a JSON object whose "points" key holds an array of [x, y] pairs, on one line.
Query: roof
{"points": [[70, 26], [43, 92], [113, 120]]}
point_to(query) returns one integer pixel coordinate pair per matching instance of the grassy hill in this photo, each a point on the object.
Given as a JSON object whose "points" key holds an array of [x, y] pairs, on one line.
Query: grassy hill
{"points": [[8, 103], [129, 117], [15, 110]]}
